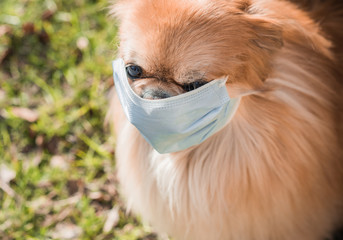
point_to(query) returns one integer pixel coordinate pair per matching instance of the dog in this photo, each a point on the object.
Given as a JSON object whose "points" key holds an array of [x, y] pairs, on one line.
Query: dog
{"points": [[275, 171]]}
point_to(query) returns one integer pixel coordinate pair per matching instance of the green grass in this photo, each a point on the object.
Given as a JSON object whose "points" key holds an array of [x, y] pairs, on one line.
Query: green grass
{"points": [[57, 167]]}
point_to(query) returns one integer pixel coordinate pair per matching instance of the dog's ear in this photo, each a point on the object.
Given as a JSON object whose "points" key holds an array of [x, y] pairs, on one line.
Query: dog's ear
{"points": [[264, 37], [266, 34], [243, 5]]}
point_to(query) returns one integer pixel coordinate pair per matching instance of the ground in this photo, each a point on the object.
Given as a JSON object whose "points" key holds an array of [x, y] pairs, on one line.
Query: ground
{"points": [[57, 166]]}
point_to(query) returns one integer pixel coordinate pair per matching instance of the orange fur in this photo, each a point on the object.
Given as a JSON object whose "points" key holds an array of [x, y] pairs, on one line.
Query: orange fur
{"points": [[276, 170]]}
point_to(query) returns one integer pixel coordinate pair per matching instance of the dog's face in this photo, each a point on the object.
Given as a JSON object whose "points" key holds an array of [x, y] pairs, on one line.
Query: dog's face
{"points": [[172, 46]]}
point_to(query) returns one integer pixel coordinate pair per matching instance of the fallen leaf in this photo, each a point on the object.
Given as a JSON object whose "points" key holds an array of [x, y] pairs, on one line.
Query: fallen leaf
{"points": [[58, 161], [112, 219], [66, 231], [6, 174], [60, 216], [52, 145], [95, 195], [28, 28], [67, 202], [25, 113], [75, 186], [47, 14], [41, 205]]}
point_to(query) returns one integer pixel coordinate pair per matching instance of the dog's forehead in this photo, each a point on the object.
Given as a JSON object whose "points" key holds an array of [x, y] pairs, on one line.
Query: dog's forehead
{"points": [[177, 39]]}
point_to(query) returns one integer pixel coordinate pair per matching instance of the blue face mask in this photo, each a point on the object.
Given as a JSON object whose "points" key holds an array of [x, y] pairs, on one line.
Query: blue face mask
{"points": [[176, 123]]}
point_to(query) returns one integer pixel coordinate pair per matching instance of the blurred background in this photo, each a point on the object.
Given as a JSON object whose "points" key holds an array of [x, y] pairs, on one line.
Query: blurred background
{"points": [[57, 166]]}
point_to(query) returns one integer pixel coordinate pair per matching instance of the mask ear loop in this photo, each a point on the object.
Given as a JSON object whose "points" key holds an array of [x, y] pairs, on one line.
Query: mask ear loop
{"points": [[236, 100], [247, 93], [223, 81]]}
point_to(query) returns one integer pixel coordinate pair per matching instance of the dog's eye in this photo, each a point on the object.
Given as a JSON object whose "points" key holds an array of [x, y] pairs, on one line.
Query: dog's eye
{"points": [[193, 85], [134, 71]]}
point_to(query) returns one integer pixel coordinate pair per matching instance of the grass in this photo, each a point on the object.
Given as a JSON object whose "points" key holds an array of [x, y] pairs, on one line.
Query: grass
{"points": [[57, 167]]}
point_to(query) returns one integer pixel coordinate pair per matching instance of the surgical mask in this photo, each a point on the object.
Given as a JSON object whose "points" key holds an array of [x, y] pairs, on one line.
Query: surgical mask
{"points": [[176, 123]]}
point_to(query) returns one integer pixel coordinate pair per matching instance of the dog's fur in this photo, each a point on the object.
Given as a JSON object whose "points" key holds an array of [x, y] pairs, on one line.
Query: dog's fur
{"points": [[275, 171]]}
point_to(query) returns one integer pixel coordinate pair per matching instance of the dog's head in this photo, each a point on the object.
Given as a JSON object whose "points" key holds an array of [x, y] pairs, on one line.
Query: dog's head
{"points": [[174, 46]]}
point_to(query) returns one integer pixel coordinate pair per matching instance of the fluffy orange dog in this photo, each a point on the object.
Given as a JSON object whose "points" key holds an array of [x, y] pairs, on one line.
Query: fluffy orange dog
{"points": [[275, 171]]}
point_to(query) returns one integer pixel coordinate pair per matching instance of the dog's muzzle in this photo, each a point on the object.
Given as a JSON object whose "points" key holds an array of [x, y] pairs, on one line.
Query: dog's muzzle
{"points": [[154, 94]]}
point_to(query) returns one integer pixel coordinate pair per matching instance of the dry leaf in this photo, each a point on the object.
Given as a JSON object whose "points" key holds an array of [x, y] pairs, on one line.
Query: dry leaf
{"points": [[58, 161], [41, 205], [67, 202], [112, 219], [47, 14], [95, 195], [25, 113], [28, 28], [60, 216], [75, 186], [6, 174], [66, 231]]}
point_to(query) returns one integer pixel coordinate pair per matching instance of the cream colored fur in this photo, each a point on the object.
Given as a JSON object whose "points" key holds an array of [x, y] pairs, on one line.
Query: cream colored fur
{"points": [[274, 172]]}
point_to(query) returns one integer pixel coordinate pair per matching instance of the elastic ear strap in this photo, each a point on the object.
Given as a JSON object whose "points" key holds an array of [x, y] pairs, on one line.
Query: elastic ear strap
{"points": [[252, 92], [223, 81]]}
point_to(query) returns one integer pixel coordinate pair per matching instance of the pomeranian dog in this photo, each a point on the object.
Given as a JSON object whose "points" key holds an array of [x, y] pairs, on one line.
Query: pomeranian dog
{"points": [[275, 170]]}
